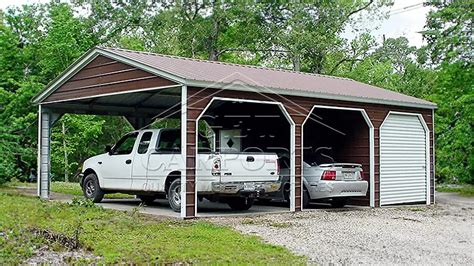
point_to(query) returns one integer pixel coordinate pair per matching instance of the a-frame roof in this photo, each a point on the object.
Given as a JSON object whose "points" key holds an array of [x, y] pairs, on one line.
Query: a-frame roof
{"points": [[211, 74]]}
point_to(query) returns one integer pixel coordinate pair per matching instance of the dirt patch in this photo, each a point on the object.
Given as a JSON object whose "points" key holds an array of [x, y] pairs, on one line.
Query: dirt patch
{"points": [[45, 255]]}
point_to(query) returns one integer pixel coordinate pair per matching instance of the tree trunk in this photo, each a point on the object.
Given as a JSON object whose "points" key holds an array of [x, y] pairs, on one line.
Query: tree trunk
{"points": [[66, 164], [296, 62]]}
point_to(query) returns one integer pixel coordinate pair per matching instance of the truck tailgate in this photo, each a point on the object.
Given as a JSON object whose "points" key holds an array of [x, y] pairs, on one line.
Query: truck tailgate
{"points": [[249, 167]]}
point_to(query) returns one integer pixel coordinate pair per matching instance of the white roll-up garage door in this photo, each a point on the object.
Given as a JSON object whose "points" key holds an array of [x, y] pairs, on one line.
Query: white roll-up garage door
{"points": [[403, 159]]}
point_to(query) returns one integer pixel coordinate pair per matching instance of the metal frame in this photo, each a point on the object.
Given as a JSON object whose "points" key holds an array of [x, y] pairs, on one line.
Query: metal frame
{"points": [[115, 93], [427, 149], [371, 144], [46, 119], [292, 142], [434, 157]]}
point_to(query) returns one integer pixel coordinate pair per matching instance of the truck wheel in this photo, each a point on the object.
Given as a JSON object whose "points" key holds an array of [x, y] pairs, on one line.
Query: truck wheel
{"points": [[338, 202], [240, 203], [148, 200], [92, 189], [174, 195]]}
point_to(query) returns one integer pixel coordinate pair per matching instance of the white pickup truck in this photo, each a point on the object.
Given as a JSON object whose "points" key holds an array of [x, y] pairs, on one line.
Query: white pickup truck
{"points": [[148, 163]]}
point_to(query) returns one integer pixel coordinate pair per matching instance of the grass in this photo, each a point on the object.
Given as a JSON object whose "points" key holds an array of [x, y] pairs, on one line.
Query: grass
{"points": [[71, 188], [463, 190], [120, 237]]}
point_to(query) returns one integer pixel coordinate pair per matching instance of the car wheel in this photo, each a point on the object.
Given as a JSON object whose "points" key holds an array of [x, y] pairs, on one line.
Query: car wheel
{"points": [[91, 188], [306, 198], [339, 202], [148, 200], [286, 192], [174, 195], [240, 203]]}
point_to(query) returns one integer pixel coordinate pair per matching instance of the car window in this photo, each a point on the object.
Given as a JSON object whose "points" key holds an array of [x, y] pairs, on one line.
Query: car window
{"points": [[125, 144], [144, 142], [170, 141]]}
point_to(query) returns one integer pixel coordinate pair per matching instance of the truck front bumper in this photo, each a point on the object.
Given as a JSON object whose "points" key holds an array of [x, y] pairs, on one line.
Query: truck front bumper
{"points": [[245, 187]]}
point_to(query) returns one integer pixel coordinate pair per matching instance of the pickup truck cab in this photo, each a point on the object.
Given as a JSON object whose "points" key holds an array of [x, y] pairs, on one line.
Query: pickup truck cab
{"points": [[148, 163]]}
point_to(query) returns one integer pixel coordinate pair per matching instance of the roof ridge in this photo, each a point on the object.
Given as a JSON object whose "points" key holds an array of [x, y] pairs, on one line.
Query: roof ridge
{"points": [[224, 63]]}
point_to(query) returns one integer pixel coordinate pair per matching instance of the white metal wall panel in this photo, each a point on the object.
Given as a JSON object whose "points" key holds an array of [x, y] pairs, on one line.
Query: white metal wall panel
{"points": [[403, 155]]}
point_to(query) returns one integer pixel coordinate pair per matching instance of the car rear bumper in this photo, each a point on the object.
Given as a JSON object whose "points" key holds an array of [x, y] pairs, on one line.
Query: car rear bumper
{"points": [[245, 187], [332, 189]]}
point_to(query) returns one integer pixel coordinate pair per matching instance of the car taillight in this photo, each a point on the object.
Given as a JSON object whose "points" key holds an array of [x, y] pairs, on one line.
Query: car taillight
{"points": [[328, 175]]}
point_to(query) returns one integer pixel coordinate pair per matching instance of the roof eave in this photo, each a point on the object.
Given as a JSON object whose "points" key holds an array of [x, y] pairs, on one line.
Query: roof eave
{"points": [[304, 93]]}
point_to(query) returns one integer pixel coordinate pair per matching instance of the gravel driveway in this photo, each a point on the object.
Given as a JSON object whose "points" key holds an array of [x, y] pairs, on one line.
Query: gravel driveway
{"points": [[436, 235]]}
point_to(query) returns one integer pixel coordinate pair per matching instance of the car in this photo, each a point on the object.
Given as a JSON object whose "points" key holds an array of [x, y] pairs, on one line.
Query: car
{"points": [[148, 163], [334, 183]]}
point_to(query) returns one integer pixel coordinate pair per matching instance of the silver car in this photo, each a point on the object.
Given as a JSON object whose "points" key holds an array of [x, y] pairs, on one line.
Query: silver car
{"points": [[334, 183]]}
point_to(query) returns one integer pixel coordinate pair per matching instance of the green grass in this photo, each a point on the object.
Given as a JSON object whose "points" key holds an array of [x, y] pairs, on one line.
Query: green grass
{"points": [[120, 237], [71, 188], [463, 190]]}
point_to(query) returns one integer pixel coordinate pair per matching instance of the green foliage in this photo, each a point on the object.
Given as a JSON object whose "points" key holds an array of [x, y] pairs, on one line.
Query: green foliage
{"points": [[454, 92], [449, 30], [122, 239]]}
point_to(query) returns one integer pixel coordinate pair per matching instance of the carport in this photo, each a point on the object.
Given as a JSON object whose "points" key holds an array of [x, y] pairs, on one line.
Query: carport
{"points": [[145, 86]]}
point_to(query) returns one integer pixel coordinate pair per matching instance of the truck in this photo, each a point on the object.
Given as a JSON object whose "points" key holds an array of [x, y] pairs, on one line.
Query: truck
{"points": [[148, 163]]}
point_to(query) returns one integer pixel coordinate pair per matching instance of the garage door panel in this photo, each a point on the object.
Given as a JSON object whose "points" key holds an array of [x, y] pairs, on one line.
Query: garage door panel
{"points": [[403, 156]]}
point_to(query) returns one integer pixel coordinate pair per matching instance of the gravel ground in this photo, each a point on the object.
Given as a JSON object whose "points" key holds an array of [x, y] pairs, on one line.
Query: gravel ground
{"points": [[437, 235]]}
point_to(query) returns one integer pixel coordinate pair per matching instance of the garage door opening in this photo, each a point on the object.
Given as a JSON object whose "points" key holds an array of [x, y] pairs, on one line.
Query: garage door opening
{"points": [[336, 147], [258, 132]]}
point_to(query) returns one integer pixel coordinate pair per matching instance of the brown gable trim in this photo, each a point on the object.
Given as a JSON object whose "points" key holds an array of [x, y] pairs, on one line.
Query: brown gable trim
{"points": [[105, 76]]}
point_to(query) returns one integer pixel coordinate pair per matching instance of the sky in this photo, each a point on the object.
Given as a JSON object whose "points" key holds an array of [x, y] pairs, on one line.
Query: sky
{"points": [[407, 19]]}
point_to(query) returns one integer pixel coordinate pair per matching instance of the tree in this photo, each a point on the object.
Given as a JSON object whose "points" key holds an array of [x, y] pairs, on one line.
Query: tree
{"points": [[448, 30], [449, 34]]}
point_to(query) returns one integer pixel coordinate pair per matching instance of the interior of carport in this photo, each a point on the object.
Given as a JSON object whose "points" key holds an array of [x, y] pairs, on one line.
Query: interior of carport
{"points": [[249, 127], [340, 135], [262, 124]]}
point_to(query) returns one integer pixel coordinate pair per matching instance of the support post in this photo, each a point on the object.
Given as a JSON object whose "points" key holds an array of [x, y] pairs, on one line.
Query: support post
{"points": [[44, 156], [46, 119], [184, 120]]}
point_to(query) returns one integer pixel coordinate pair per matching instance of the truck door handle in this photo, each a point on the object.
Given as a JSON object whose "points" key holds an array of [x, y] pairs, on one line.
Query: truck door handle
{"points": [[250, 159], [128, 161]]}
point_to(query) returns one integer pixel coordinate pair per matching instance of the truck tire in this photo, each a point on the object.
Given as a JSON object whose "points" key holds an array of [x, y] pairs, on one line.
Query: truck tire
{"points": [[174, 195], [147, 199], [339, 202], [240, 203], [91, 188]]}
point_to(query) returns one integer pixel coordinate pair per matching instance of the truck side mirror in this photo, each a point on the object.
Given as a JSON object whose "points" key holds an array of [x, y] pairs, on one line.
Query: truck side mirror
{"points": [[108, 148]]}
